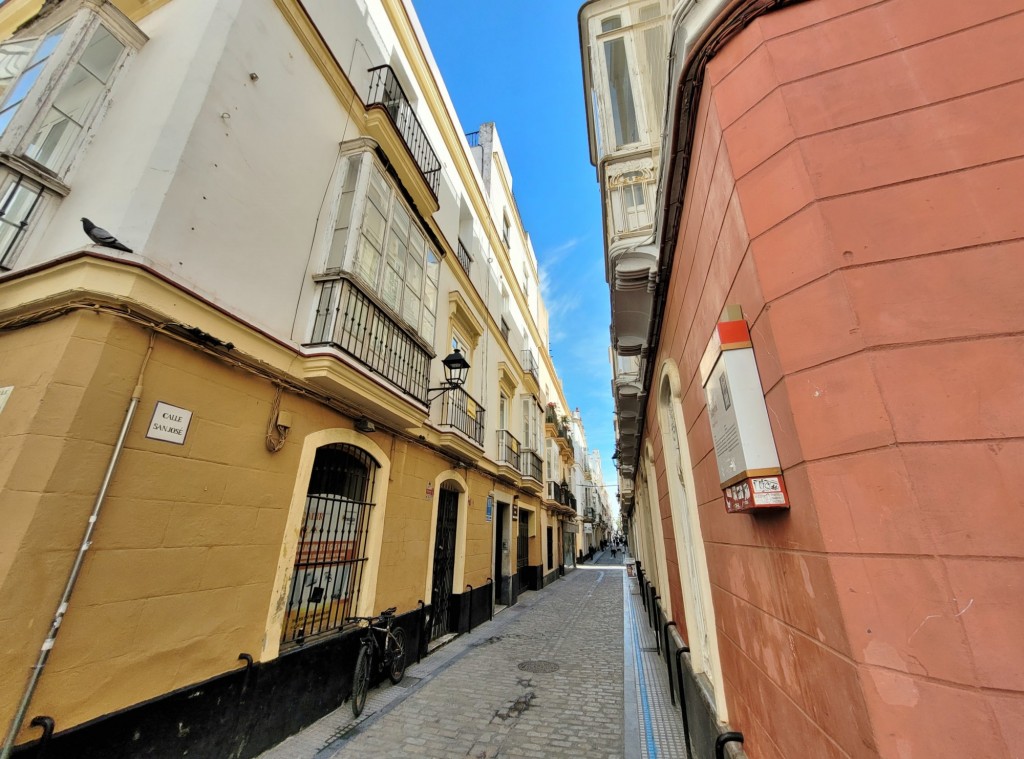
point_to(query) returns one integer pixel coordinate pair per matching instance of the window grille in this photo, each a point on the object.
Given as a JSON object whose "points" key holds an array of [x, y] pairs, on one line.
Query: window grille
{"points": [[18, 199], [523, 544], [331, 554]]}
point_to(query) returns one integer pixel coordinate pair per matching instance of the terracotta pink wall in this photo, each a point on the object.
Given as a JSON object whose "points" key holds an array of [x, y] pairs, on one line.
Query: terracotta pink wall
{"points": [[856, 185]]}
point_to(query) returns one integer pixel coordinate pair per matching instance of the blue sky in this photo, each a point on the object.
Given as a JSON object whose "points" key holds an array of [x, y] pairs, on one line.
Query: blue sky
{"points": [[518, 64]]}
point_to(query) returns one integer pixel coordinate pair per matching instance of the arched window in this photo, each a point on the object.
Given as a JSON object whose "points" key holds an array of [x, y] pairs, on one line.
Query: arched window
{"points": [[331, 554], [699, 612]]}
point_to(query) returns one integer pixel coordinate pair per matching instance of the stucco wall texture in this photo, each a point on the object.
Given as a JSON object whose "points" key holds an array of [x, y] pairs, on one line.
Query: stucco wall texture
{"points": [[855, 186]]}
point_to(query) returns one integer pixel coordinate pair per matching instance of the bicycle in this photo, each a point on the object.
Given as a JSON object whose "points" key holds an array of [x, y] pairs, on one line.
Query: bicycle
{"points": [[382, 645]]}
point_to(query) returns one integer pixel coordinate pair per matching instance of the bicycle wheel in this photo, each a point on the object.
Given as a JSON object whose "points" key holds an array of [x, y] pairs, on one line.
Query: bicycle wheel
{"points": [[397, 669], [361, 681]]}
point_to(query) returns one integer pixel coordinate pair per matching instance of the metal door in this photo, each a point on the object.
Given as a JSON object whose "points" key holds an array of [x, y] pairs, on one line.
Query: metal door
{"points": [[444, 559], [523, 553]]}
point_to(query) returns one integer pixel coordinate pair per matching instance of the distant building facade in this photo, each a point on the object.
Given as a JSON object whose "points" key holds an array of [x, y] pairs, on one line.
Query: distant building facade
{"points": [[250, 402], [830, 186]]}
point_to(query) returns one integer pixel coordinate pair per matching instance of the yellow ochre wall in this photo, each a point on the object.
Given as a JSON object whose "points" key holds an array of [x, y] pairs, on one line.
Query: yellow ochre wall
{"points": [[182, 572]]}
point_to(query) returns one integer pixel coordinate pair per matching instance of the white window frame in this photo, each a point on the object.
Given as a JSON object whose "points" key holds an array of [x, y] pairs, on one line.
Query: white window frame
{"points": [[341, 254], [82, 18], [601, 80]]}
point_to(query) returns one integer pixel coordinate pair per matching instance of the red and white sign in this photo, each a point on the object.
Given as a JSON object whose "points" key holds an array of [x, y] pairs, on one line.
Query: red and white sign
{"points": [[757, 493], [748, 463]]}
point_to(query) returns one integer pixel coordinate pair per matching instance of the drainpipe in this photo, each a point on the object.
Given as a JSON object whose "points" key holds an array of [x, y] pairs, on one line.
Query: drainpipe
{"points": [[62, 607]]}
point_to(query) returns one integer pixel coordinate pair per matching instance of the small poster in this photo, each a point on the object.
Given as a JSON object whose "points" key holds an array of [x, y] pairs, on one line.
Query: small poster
{"points": [[5, 393], [490, 507]]}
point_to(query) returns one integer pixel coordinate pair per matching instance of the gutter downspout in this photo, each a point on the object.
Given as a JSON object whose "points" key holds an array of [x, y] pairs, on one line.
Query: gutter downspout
{"points": [[62, 608]]}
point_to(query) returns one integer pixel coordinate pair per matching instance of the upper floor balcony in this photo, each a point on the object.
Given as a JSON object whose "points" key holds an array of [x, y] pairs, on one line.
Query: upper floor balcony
{"points": [[349, 320], [461, 411], [509, 456], [386, 91], [462, 254], [532, 469]]}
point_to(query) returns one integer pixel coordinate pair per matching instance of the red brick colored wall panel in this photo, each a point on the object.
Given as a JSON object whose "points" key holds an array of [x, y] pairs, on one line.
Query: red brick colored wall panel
{"points": [[796, 588], [746, 709], [784, 428], [968, 497], [793, 253], [903, 616], [765, 350], [814, 324], [942, 138], [1009, 716], [838, 408], [866, 504], [986, 601], [791, 729], [928, 216], [775, 190], [759, 133], [745, 288], [954, 391], [822, 684], [875, 30], [929, 719], [745, 86], [733, 54], [969, 293], [807, 14], [913, 77]]}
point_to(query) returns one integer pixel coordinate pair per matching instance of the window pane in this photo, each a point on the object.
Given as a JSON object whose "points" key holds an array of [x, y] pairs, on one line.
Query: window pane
{"points": [[23, 85], [13, 58], [49, 44], [411, 308], [53, 141], [101, 54], [433, 267], [621, 92], [373, 227], [391, 289], [368, 261], [427, 328]]}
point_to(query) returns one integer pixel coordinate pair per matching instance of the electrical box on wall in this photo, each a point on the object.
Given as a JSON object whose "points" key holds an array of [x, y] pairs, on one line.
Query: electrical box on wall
{"points": [[748, 463]]}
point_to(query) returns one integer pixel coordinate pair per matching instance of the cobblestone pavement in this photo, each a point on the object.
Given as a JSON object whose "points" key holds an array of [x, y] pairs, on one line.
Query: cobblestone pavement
{"points": [[544, 678]]}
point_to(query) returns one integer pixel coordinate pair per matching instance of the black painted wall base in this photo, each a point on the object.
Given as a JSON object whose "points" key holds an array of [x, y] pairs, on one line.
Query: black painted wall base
{"points": [[233, 716]]}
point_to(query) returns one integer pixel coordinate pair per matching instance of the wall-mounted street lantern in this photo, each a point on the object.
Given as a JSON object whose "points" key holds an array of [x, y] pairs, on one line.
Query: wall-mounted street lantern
{"points": [[456, 367]]}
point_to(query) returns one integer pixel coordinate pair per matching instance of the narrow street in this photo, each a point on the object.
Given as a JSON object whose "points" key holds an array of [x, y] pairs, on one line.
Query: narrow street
{"points": [[544, 678]]}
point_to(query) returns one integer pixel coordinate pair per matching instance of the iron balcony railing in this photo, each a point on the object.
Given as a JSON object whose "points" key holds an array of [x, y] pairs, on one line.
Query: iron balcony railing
{"points": [[473, 138], [530, 363], [533, 466], [348, 320], [386, 90], [559, 493], [508, 449], [460, 410], [463, 255]]}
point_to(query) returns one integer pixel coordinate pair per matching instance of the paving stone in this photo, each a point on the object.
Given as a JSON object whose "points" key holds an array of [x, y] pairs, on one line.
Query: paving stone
{"points": [[472, 699]]}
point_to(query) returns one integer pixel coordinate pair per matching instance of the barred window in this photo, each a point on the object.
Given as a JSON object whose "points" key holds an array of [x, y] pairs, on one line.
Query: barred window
{"points": [[332, 546]]}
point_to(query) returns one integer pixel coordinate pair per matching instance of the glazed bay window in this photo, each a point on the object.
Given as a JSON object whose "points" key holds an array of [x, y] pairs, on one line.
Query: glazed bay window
{"points": [[377, 295], [56, 73]]}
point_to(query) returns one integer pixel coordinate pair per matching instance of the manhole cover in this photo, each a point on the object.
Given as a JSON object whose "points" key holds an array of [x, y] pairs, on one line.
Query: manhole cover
{"points": [[538, 666]]}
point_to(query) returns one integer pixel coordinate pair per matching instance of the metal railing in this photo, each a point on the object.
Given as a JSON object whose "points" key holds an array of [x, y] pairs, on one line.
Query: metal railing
{"points": [[530, 363], [508, 449], [533, 466], [473, 138], [463, 255], [386, 90], [559, 493], [347, 319], [21, 195], [461, 411]]}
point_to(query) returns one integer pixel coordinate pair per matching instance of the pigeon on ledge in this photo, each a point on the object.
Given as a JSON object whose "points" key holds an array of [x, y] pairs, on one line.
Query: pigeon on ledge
{"points": [[100, 236]]}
